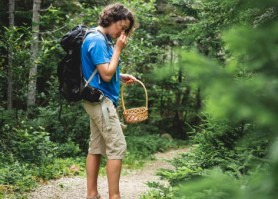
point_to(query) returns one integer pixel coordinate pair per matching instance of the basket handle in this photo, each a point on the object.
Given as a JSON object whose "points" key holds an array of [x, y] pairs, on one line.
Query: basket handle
{"points": [[122, 94]]}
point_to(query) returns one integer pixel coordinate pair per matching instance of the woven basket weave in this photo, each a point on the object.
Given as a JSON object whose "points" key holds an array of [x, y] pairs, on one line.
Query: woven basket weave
{"points": [[135, 115]]}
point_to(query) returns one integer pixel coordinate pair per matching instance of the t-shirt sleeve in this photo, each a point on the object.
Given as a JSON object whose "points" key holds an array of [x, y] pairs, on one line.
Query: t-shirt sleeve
{"points": [[99, 52]]}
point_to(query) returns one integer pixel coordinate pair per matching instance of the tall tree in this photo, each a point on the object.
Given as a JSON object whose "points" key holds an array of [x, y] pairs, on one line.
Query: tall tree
{"points": [[31, 97], [10, 57]]}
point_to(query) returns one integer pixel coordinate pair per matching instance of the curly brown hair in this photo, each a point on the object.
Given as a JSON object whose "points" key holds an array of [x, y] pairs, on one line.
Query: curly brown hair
{"points": [[116, 12]]}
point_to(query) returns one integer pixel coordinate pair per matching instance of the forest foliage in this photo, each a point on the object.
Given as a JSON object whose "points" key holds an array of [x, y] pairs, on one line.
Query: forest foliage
{"points": [[210, 68]]}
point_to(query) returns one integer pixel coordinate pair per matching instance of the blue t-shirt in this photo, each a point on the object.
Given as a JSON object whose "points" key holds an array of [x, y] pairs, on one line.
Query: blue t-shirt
{"points": [[98, 49]]}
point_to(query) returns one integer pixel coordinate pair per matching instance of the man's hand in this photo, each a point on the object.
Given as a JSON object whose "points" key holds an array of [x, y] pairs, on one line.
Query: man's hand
{"points": [[121, 42], [128, 79]]}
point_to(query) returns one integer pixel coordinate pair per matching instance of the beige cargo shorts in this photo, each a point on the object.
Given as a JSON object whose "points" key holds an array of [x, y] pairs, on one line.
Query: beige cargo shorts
{"points": [[107, 142]]}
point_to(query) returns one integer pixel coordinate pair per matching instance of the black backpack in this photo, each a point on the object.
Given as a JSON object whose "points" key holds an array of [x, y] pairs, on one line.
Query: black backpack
{"points": [[69, 68]]}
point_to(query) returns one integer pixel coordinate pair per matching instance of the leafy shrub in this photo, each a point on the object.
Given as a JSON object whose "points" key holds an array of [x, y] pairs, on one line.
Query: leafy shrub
{"points": [[60, 168], [65, 122], [27, 144], [68, 149], [260, 184], [221, 146], [19, 177], [140, 148], [159, 191]]}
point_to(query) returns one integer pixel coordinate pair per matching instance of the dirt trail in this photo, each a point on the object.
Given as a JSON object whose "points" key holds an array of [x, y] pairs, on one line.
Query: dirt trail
{"points": [[132, 184]]}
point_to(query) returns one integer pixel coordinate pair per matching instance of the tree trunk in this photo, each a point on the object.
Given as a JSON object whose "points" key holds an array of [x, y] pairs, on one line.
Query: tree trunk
{"points": [[10, 59], [32, 88]]}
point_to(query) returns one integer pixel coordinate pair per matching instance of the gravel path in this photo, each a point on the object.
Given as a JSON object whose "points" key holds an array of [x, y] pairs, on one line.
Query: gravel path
{"points": [[132, 184]]}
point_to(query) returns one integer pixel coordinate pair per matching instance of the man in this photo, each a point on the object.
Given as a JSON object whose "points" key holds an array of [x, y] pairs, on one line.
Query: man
{"points": [[116, 22]]}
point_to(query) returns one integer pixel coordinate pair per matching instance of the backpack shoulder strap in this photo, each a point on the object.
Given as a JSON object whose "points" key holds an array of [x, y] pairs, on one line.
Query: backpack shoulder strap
{"points": [[91, 77], [88, 32]]}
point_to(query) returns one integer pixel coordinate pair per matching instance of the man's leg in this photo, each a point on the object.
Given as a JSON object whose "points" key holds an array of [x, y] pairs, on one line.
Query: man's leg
{"points": [[92, 168], [113, 170]]}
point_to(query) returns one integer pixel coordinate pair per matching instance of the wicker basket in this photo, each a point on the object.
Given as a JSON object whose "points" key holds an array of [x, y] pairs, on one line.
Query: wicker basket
{"points": [[134, 115]]}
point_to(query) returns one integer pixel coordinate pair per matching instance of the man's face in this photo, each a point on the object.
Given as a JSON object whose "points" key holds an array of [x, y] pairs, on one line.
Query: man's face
{"points": [[118, 28]]}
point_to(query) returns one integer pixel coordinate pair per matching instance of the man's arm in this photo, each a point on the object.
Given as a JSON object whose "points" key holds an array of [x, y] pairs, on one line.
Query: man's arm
{"points": [[107, 70]]}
